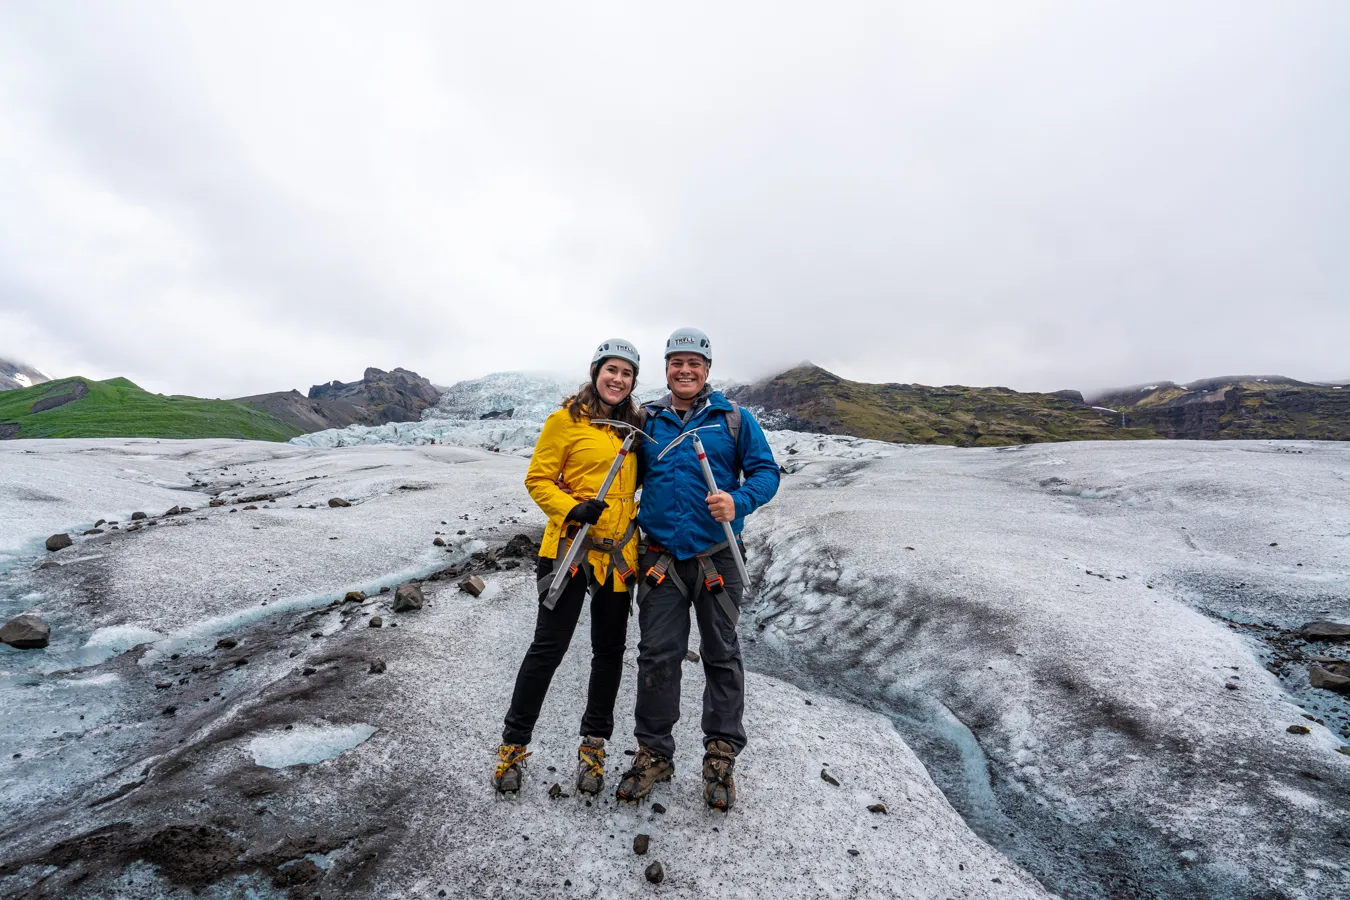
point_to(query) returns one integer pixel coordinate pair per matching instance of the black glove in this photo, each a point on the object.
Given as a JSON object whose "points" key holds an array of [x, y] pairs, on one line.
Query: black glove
{"points": [[588, 511]]}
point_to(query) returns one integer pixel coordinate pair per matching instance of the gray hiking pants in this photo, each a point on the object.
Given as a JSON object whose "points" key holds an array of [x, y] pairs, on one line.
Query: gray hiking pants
{"points": [[663, 617]]}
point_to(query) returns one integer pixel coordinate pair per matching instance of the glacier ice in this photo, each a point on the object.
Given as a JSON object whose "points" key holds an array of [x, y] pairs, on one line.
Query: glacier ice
{"points": [[1057, 661], [307, 744]]}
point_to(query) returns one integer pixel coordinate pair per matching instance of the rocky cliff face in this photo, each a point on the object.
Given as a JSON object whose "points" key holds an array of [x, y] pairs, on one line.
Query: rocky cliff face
{"points": [[15, 376], [378, 398], [1252, 407]]}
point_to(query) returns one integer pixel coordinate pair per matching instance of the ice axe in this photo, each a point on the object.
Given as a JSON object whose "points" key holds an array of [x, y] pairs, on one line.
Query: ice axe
{"points": [[727, 606], [565, 569]]}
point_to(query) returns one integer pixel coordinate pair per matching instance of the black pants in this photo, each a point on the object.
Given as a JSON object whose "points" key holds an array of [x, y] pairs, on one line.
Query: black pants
{"points": [[663, 615], [552, 635]]}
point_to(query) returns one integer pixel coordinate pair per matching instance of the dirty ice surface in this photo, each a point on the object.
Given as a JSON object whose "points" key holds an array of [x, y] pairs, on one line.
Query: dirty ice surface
{"points": [[1075, 639], [1070, 641], [150, 772]]}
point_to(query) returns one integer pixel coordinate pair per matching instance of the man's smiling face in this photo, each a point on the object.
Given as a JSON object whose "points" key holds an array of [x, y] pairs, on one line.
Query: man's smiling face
{"points": [[686, 373]]}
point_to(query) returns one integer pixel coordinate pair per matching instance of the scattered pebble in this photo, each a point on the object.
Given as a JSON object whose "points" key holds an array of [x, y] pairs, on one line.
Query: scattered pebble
{"points": [[640, 844], [828, 778], [656, 873]]}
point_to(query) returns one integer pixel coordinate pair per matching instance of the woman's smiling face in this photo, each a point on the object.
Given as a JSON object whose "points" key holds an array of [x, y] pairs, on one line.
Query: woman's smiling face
{"points": [[614, 382]]}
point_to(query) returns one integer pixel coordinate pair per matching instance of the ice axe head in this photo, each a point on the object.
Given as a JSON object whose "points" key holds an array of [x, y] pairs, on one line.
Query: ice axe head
{"points": [[632, 429], [675, 443]]}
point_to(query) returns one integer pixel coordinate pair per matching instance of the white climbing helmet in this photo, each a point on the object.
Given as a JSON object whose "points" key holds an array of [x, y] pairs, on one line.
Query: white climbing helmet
{"points": [[616, 348], [689, 340]]}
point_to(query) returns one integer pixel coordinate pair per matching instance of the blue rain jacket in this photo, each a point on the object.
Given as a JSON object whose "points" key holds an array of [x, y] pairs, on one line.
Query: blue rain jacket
{"points": [[674, 511]]}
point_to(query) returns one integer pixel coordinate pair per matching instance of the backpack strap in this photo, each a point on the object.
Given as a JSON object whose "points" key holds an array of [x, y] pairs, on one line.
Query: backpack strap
{"points": [[734, 422]]}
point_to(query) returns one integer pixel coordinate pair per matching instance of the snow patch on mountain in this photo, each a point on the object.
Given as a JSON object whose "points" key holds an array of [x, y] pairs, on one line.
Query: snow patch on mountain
{"points": [[15, 376]]}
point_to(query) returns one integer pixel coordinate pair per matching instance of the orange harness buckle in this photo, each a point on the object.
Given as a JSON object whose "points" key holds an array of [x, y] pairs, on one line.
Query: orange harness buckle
{"points": [[656, 574]]}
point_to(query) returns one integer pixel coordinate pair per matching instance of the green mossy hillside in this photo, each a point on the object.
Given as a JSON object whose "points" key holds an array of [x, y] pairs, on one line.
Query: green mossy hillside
{"points": [[118, 408], [811, 399]]}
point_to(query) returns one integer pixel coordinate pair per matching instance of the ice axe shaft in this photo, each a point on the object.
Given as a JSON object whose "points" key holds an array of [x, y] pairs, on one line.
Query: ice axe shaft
{"points": [[564, 571], [735, 548]]}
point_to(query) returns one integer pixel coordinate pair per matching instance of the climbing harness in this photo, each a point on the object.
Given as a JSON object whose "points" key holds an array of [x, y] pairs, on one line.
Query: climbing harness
{"points": [[610, 547], [566, 564], [713, 582]]}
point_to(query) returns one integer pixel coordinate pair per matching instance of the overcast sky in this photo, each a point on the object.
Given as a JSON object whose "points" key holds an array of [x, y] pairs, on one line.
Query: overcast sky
{"points": [[228, 198]]}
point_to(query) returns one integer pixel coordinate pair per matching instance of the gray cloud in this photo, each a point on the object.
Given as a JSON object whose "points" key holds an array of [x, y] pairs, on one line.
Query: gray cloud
{"points": [[224, 199]]}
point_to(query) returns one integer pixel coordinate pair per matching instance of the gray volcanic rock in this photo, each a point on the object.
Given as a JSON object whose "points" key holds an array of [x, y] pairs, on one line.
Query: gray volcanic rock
{"points": [[292, 407], [59, 542], [16, 376], [25, 632], [408, 596], [1326, 631], [77, 390], [379, 397], [1332, 677]]}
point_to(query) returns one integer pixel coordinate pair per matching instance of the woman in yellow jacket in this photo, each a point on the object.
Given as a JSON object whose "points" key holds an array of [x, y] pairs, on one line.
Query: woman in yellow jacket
{"points": [[569, 464]]}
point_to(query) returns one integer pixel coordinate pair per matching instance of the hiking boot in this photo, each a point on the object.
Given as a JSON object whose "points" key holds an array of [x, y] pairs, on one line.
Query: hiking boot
{"points": [[591, 765], [649, 767], [719, 780], [510, 761]]}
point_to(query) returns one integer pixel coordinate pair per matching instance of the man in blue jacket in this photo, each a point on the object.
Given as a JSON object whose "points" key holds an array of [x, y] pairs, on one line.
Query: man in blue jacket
{"points": [[689, 563]]}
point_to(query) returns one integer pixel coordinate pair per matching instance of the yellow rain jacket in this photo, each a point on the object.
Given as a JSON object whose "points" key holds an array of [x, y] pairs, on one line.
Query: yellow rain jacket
{"points": [[579, 455]]}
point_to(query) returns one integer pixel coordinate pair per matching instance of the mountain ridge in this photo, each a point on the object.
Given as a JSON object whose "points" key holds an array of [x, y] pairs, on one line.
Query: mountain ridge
{"points": [[378, 398], [810, 398]]}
